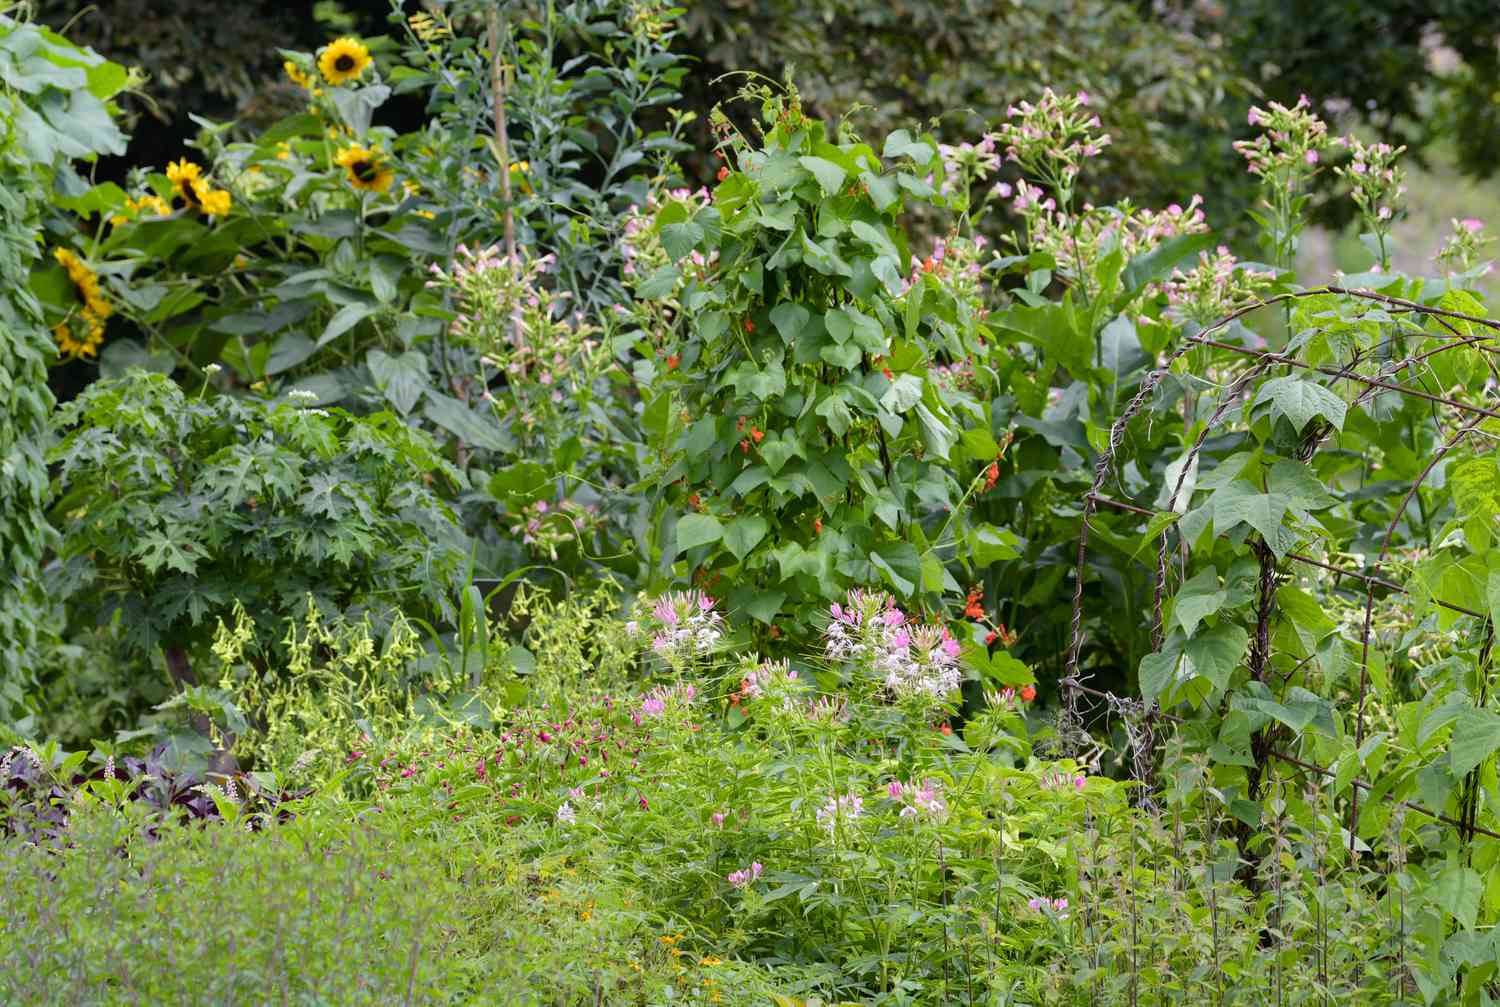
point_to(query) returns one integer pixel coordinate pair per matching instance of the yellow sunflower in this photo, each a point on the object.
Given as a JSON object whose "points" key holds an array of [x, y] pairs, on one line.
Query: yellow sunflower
{"points": [[183, 175], [297, 76], [214, 202], [365, 169], [343, 60]]}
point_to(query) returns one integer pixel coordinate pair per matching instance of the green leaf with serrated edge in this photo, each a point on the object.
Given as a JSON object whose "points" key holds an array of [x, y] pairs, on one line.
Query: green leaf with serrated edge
{"points": [[1300, 401]]}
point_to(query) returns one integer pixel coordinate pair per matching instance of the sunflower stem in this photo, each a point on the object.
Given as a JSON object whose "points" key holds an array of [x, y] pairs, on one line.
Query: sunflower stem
{"points": [[502, 145]]}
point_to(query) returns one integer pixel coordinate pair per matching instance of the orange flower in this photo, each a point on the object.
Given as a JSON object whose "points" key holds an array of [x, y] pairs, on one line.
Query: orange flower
{"points": [[1028, 694], [992, 476], [749, 325], [758, 434], [817, 526], [672, 361], [723, 172]]}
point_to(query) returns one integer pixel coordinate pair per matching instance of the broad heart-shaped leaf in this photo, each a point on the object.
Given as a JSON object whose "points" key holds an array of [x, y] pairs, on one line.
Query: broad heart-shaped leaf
{"points": [[1457, 893], [1300, 401], [829, 175], [1215, 653], [905, 392], [937, 437], [680, 239], [457, 418], [900, 144], [789, 319], [1158, 671], [1197, 599], [1299, 710], [343, 320], [1212, 655], [1240, 503], [403, 379], [763, 384], [697, 529], [846, 357], [743, 534], [900, 564], [835, 410], [1476, 736], [990, 544]]}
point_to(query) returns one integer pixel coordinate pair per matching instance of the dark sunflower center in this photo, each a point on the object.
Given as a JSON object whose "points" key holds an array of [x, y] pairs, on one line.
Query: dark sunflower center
{"points": [[344, 63], [365, 171], [189, 196]]}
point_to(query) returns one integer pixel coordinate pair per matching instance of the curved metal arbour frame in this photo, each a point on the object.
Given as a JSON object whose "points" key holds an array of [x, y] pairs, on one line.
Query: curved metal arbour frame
{"points": [[1143, 739]]}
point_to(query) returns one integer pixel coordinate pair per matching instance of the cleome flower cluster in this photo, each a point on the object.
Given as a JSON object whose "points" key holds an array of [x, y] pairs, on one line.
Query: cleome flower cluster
{"points": [[684, 627], [910, 660]]}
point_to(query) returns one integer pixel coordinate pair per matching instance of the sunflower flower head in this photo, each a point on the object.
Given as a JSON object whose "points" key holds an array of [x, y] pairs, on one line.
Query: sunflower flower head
{"points": [[83, 339], [298, 76], [196, 191], [343, 60], [365, 168], [213, 202], [183, 173]]}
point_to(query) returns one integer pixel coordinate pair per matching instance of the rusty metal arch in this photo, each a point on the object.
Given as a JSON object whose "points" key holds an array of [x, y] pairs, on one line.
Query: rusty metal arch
{"points": [[1073, 684]]}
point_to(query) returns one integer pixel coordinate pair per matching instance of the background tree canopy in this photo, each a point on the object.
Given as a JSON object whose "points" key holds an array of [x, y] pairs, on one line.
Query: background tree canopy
{"points": [[1171, 76]]}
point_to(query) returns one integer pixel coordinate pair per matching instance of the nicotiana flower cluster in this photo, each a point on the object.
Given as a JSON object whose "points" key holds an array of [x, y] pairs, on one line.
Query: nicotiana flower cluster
{"points": [[1289, 149], [910, 660], [1461, 251], [684, 627], [1051, 139], [965, 165], [1374, 176], [1216, 286], [545, 526], [1076, 240], [522, 327]]}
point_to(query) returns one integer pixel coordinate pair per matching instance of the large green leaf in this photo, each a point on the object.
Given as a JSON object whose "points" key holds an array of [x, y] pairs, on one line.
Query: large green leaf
{"points": [[1197, 599], [743, 534], [1300, 401], [1476, 736], [694, 530]]}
